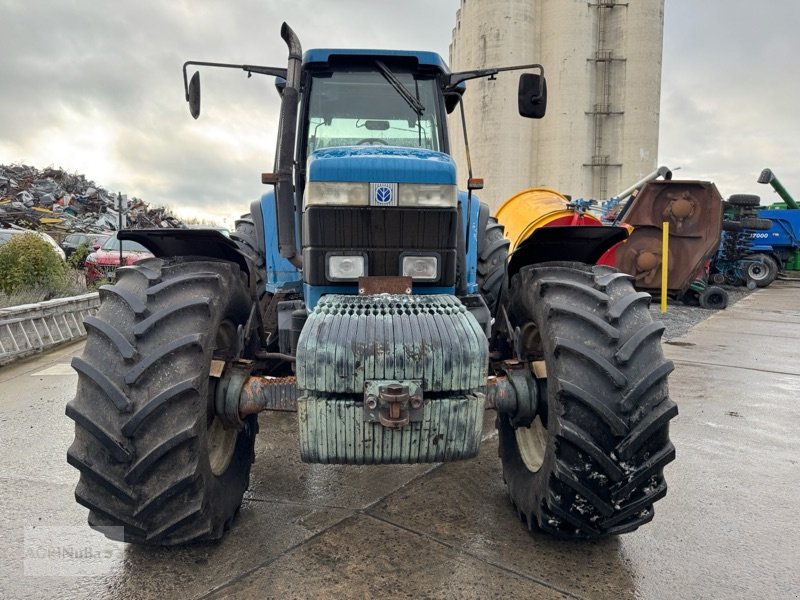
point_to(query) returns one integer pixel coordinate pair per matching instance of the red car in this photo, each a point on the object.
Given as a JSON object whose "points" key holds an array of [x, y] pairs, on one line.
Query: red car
{"points": [[103, 262]]}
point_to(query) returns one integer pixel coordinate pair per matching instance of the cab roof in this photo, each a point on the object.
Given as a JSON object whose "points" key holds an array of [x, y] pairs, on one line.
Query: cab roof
{"points": [[320, 56]]}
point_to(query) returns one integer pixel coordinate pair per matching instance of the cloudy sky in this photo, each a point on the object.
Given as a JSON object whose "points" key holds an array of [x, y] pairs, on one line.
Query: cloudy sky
{"points": [[95, 87]]}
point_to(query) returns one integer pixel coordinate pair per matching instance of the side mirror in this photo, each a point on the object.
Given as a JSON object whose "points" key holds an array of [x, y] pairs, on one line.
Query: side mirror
{"points": [[453, 96], [95, 247], [532, 96], [194, 95]]}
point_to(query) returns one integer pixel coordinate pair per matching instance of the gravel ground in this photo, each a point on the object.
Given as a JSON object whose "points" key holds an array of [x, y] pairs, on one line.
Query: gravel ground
{"points": [[680, 318]]}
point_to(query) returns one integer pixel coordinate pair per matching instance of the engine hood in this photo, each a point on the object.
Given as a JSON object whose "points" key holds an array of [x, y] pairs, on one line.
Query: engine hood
{"points": [[381, 164]]}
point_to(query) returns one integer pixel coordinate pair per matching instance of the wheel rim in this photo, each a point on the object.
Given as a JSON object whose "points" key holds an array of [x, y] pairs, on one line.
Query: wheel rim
{"points": [[532, 441], [221, 442], [757, 272], [532, 444]]}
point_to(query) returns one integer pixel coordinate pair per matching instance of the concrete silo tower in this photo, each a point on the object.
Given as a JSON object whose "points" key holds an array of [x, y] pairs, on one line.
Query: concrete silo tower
{"points": [[602, 59]]}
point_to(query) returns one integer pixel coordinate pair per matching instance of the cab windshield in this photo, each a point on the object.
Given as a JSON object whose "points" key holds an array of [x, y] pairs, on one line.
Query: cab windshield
{"points": [[360, 107]]}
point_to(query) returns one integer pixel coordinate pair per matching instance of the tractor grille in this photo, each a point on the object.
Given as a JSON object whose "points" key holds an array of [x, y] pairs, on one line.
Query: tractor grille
{"points": [[383, 234]]}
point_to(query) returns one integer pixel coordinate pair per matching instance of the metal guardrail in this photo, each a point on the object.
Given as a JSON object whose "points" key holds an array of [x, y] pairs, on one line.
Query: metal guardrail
{"points": [[33, 328]]}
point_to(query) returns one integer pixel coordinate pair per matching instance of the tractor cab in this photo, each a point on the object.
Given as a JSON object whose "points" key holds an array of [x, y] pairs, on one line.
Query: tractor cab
{"points": [[372, 158], [364, 184]]}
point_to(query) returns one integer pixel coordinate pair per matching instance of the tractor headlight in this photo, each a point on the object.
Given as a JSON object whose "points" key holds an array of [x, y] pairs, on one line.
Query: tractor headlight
{"points": [[346, 267], [337, 192], [424, 194], [421, 268], [357, 194]]}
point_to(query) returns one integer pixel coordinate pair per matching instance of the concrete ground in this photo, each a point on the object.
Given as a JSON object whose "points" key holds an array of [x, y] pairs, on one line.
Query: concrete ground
{"points": [[727, 529]]}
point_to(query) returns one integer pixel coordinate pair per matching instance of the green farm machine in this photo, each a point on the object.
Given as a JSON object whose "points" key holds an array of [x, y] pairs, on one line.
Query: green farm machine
{"points": [[371, 296]]}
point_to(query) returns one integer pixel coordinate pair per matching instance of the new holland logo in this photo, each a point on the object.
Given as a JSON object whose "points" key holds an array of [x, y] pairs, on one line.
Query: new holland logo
{"points": [[383, 194]]}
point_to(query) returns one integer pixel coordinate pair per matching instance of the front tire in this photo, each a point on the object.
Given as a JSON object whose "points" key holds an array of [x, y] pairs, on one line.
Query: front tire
{"points": [[157, 466], [592, 462]]}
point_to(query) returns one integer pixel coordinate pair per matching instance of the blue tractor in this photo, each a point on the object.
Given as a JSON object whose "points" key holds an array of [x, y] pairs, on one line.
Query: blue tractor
{"points": [[369, 295]]}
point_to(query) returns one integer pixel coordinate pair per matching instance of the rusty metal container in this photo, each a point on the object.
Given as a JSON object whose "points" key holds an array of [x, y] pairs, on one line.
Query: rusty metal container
{"points": [[693, 210]]}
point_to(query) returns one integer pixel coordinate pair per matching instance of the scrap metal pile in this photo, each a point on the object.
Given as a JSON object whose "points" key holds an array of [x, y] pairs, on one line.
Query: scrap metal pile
{"points": [[54, 200]]}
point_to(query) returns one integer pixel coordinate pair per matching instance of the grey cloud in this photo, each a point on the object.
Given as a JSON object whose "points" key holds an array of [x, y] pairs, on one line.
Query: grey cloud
{"points": [[118, 64], [728, 96]]}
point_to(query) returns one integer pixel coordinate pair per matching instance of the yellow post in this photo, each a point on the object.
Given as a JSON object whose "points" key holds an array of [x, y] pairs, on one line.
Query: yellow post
{"points": [[664, 264]]}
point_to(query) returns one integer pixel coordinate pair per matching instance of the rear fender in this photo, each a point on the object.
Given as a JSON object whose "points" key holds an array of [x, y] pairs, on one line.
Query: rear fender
{"points": [[573, 244]]}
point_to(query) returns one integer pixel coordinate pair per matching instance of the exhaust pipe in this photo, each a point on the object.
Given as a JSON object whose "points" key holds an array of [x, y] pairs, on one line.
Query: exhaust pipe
{"points": [[284, 153]]}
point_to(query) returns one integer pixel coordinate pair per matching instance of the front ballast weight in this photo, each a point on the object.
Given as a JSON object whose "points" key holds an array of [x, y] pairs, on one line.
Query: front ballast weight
{"points": [[381, 379], [390, 378]]}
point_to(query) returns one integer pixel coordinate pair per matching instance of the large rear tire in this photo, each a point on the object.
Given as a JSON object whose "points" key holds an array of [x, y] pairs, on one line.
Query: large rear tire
{"points": [[157, 466], [591, 464], [246, 238], [492, 254]]}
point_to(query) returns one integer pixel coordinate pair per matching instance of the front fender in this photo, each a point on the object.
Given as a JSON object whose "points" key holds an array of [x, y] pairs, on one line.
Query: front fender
{"points": [[209, 243]]}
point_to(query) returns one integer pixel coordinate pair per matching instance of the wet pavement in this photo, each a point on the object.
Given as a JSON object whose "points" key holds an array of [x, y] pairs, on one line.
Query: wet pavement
{"points": [[727, 528]]}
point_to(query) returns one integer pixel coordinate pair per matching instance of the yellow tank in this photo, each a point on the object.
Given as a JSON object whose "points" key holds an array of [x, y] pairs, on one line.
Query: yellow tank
{"points": [[530, 209]]}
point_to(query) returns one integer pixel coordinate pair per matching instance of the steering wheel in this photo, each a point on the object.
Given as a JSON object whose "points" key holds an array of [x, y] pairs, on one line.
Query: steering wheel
{"points": [[372, 142]]}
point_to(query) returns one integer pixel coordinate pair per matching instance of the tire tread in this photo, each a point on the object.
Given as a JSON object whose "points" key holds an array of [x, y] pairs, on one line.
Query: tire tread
{"points": [[140, 427], [608, 428]]}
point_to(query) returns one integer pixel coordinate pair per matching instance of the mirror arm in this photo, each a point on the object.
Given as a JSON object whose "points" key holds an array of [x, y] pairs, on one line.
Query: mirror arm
{"points": [[455, 78], [275, 71]]}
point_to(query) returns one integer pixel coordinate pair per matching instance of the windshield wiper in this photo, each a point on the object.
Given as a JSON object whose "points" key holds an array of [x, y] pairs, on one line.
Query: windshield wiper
{"points": [[412, 100]]}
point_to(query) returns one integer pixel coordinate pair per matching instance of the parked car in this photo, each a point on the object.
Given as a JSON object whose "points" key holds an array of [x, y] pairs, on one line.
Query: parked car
{"points": [[6, 234], [92, 240], [103, 262]]}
